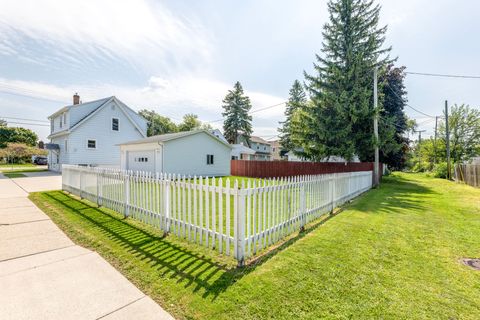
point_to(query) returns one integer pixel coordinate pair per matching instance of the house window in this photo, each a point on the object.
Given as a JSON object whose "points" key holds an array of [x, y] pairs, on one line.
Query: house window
{"points": [[66, 145], [61, 121], [65, 118], [115, 124], [209, 158], [92, 144]]}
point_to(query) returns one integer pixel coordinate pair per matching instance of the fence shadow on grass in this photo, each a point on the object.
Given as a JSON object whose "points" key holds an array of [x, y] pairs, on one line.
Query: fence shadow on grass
{"points": [[396, 195], [164, 257]]}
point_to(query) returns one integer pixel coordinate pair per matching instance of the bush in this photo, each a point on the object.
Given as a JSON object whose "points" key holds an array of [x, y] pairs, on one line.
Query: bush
{"points": [[440, 170]]}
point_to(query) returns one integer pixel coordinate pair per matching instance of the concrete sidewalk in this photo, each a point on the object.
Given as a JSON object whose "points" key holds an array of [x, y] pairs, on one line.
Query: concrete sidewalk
{"points": [[44, 275]]}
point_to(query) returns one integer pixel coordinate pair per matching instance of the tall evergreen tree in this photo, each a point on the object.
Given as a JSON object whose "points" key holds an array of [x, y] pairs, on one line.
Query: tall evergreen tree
{"points": [[341, 115], [393, 120], [237, 122], [296, 102]]}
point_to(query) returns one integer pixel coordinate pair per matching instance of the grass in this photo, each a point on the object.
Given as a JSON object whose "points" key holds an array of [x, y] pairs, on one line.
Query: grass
{"points": [[393, 253], [21, 168], [9, 166], [190, 206], [14, 175]]}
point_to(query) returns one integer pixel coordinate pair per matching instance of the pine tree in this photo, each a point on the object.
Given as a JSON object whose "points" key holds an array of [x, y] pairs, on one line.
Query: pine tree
{"points": [[289, 129], [341, 89], [393, 120], [237, 120]]}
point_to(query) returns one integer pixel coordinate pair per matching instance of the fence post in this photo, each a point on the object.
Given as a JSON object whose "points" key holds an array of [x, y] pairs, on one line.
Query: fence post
{"points": [[81, 183], [126, 182], [334, 190], [240, 225], [303, 205], [97, 177], [166, 198], [100, 187]]}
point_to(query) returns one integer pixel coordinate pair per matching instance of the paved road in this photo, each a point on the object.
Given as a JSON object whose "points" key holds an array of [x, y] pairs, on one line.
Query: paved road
{"points": [[44, 275]]}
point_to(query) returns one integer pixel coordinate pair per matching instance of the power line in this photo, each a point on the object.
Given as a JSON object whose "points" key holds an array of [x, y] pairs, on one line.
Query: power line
{"points": [[253, 111], [421, 112], [443, 75], [36, 120], [32, 97], [30, 124]]}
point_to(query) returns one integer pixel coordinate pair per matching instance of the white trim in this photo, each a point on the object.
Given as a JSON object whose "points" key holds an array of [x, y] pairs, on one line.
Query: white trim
{"points": [[122, 107], [88, 148]]}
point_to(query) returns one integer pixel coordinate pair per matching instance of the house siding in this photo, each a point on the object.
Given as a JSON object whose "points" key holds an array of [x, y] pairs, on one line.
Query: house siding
{"points": [[141, 150], [99, 128], [188, 155]]}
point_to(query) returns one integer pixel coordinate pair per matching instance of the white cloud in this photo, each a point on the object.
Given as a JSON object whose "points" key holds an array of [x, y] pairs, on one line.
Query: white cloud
{"points": [[143, 33]]}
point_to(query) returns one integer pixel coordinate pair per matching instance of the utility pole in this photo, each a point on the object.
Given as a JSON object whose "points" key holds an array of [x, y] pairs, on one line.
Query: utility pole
{"points": [[447, 133], [375, 128], [419, 143], [435, 142]]}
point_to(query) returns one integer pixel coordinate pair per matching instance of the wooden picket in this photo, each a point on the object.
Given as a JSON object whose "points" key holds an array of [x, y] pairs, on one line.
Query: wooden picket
{"points": [[200, 209]]}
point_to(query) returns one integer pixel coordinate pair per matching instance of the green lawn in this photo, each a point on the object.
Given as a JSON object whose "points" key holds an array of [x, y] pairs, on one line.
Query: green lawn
{"points": [[19, 172], [393, 254], [10, 166], [27, 167], [14, 175]]}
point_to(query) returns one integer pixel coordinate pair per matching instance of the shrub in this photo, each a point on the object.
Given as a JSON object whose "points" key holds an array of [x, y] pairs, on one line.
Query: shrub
{"points": [[440, 170]]}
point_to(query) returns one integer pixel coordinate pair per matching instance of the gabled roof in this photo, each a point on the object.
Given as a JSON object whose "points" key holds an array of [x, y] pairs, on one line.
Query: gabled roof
{"points": [[241, 149], [87, 105], [89, 109], [172, 136], [258, 140]]}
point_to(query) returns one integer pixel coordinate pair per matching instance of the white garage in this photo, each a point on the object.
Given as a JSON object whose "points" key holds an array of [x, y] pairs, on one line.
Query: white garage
{"points": [[190, 153], [141, 160]]}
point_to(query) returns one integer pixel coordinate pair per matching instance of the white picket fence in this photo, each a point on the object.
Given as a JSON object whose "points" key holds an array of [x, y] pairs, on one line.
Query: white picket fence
{"points": [[231, 216]]}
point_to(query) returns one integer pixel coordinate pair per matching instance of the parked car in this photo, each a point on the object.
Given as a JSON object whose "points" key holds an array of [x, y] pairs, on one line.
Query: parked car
{"points": [[40, 160]]}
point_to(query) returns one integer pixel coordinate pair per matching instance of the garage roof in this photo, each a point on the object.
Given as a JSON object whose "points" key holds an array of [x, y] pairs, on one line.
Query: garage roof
{"points": [[172, 136]]}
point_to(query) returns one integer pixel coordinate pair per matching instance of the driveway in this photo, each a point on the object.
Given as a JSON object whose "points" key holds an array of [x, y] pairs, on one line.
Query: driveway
{"points": [[44, 275]]}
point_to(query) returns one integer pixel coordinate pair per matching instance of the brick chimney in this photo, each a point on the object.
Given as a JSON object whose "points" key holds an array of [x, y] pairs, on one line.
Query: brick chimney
{"points": [[76, 99]]}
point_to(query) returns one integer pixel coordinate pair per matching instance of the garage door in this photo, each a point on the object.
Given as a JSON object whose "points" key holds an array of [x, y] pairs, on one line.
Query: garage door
{"points": [[141, 161]]}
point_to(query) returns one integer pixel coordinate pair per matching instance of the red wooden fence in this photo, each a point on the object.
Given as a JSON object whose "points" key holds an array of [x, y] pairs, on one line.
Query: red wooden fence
{"points": [[271, 169]]}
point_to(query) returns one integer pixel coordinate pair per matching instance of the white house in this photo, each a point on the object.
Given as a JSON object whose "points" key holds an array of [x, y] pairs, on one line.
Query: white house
{"points": [[241, 152], [196, 152], [88, 133], [262, 148]]}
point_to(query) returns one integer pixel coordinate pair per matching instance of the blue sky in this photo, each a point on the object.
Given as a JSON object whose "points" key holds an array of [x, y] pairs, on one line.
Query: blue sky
{"points": [[182, 56]]}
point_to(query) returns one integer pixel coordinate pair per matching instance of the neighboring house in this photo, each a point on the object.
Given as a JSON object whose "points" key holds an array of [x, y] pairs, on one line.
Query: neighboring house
{"points": [[87, 133], [291, 156], [276, 148], [475, 160], [217, 133], [262, 148], [190, 153], [241, 152]]}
